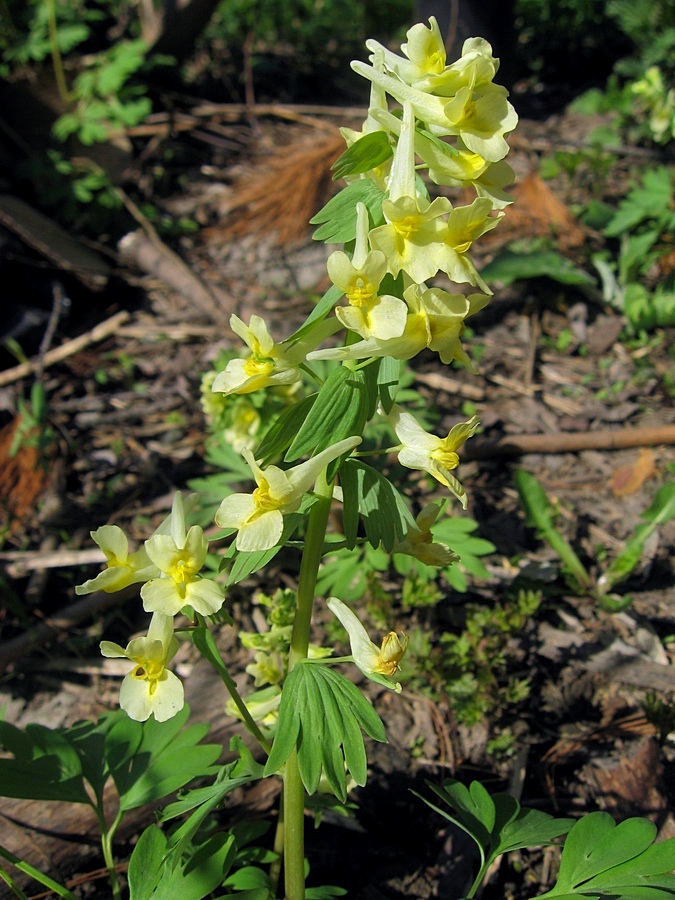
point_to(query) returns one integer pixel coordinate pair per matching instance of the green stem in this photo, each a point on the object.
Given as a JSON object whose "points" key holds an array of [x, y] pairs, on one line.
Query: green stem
{"points": [[107, 835], [34, 873], [576, 571], [294, 792], [57, 61], [204, 642], [249, 721]]}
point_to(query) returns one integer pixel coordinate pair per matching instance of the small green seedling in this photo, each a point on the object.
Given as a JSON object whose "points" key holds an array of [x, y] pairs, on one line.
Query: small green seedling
{"points": [[540, 514]]}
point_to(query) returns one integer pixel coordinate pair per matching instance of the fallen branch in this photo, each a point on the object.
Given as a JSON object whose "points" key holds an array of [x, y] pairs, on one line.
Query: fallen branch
{"points": [[69, 348], [23, 561], [570, 442]]}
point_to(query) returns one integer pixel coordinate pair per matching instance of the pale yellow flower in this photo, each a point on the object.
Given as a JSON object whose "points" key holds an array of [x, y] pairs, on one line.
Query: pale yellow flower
{"points": [[267, 669], [259, 517], [465, 225], [479, 112], [244, 424], [368, 314], [457, 166], [419, 541], [122, 568], [179, 557], [150, 688], [379, 664], [425, 52], [429, 453], [266, 365], [435, 320]]}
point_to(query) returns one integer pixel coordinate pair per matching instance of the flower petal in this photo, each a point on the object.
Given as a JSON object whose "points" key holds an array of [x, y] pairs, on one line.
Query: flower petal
{"points": [[262, 533], [162, 595]]}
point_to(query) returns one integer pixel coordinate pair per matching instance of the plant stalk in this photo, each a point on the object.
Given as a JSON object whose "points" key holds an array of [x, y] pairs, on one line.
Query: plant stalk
{"points": [[294, 792]]}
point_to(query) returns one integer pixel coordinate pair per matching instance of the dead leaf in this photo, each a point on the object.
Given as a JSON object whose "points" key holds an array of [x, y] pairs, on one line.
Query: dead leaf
{"points": [[629, 479]]}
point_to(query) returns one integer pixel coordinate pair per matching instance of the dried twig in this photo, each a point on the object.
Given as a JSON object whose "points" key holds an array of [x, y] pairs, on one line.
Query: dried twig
{"points": [[69, 348], [570, 442], [23, 561]]}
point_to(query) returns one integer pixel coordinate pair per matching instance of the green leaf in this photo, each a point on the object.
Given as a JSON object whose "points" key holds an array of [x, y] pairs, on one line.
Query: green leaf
{"points": [[341, 409], [45, 767], [539, 514], [246, 563], [388, 381], [646, 201], [325, 892], [466, 814], [322, 714], [621, 862], [661, 510], [146, 863], [338, 217], [165, 759], [369, 151], [509, 266], [344, 573], [249, 878], [370, 496], [280, 436], [200, 872], [529, 828]]}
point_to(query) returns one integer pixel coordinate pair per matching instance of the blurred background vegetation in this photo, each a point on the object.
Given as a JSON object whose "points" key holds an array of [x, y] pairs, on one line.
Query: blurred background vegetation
{"points": [[80, 73]]}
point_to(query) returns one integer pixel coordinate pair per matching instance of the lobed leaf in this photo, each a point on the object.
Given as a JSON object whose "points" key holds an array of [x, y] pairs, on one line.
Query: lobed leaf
{"points": [[509, 266], [45, 767], [166, 757], [341, 409], [370, 497], [338, 217], [367, 153], [323, 714]]}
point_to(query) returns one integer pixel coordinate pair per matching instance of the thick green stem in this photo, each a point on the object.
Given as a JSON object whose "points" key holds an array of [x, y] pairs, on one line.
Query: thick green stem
{"points": [[294, 792]]}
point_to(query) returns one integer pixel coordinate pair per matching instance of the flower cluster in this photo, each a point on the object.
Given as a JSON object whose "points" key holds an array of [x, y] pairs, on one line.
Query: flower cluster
{"points": [[454, 121], [168, 566]]}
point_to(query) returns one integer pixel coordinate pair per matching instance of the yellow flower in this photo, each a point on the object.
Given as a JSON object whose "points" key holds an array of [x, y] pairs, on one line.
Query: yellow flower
{"points": [[481, 117], [368, 314], [244, 424], [122, 568], [472, 108], [429, 453], [150, 688], [379, 664], [267, 669], [425, 51], [419, 541], [259, 517], [266, 364], [466, 224], [413, 238], [435, 320], [179, 556], [457, 166]]}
